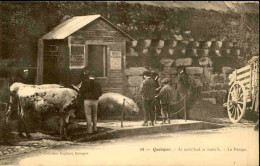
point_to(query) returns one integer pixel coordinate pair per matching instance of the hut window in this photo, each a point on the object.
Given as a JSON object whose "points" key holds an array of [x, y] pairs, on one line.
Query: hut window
{"points": [[77, 56]]}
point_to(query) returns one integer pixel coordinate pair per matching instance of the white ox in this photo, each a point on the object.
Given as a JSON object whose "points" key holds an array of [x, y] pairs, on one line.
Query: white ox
{"points": [[45, 100], [15, 87]]}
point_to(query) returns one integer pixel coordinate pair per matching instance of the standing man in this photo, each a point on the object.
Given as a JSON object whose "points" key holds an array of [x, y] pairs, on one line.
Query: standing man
{"points": [[166, 96], [183, 83], [183, 87], [90, 90], [84, 76], [147, 89], [157, 107]]}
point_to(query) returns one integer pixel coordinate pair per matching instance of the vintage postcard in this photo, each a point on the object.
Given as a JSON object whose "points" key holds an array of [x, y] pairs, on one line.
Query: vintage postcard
{"points": [[129, 83]]}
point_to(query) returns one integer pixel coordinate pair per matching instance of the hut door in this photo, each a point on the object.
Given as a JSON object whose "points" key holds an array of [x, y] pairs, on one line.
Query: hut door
{"points": [[97, 59], [50, 72]]}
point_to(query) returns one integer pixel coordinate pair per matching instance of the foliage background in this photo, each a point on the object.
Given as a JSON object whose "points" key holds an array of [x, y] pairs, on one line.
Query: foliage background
{"points": [[23, 23]]}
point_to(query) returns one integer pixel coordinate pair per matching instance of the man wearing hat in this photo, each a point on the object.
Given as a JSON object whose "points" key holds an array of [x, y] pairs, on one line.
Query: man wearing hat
{"points": [[157, 106], [22, 76], [84, 74], [90, 90], [147, 89], [165, 95], [183, 84]]}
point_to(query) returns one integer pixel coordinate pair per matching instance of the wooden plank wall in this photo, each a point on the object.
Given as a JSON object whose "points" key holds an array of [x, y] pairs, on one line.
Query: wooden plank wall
{"points": [[101, 33], [62, 58]]}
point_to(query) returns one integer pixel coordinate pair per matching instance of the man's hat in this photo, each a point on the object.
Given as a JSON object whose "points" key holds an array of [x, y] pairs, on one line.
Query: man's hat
{"points": [[85, 71], [153, 73]]}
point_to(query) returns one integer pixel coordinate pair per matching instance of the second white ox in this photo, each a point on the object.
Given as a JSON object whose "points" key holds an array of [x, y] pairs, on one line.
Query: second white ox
{"points": [[15, 87], [45, 100]]}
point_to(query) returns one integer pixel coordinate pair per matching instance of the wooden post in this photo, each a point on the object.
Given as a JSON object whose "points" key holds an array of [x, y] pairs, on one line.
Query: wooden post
{"points": [[250, 90], [185, 118], [235, 74], [6, 106], [124, 67], [8, 94], [122, 115], [39, 76]]}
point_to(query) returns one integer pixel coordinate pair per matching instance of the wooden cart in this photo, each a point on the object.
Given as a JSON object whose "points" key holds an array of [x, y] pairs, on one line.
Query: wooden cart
{"points": [[244, 90]]}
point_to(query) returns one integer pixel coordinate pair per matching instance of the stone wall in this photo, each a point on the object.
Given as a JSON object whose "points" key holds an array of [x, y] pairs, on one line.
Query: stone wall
{"points": [[208, 64], [134, 79]]}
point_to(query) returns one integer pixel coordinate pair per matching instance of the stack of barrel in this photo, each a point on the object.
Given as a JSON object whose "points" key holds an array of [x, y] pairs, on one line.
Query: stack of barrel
{"points": [[173, 48]]}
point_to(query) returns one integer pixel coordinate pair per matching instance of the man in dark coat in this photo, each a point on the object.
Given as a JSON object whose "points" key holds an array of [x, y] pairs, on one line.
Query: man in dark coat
{"points": [[157, 107], [183, 83], [147, 89], [90, 90]]}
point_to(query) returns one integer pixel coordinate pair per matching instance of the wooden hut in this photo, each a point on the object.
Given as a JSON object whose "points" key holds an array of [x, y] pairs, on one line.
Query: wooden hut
{"points": [[81, 41]]}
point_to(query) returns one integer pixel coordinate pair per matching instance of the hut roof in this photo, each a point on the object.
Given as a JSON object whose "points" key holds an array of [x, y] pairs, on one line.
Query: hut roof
{"points": [[73, 24]]}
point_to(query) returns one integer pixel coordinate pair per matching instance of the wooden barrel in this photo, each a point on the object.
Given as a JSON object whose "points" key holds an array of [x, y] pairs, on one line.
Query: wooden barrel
{"points": [[203, 44], [143, 43], [192, 52], [230, 45], [178, 37], [216, 45], [147, 43], [174, 43], [227, 45], [183, 52], [165, 51], [195, 52], [158, 51], [193, 44], [203, 52], [181, 44], [207, 44], [160, 44], [145, 50], [235, 52], [225, 52], [157, 43], [132, 52], [134, 43], [217, 53], [170, 43], [171, 51]]}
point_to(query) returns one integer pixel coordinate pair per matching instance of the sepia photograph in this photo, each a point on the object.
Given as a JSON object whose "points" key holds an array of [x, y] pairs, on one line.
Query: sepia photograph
{"points": [[119, 83]]}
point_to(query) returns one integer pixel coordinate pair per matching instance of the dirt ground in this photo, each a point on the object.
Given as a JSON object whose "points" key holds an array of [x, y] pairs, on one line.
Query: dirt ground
{"points": [[205, 111]]}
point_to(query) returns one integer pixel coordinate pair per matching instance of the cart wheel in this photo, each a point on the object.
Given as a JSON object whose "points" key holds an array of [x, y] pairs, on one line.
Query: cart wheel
{"points": [[236, 103]]}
